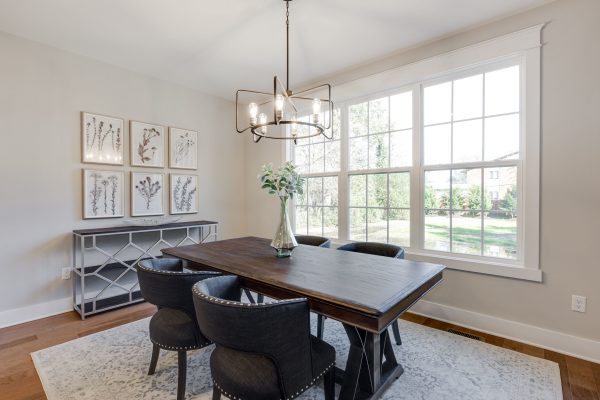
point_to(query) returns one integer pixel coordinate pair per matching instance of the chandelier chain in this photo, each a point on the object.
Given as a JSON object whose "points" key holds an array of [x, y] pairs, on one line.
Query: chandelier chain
{"points": [[287, 47]]}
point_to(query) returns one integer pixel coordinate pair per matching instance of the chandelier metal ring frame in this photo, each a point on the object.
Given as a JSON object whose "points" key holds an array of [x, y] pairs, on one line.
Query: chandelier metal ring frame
{"points": [[260, 126]]}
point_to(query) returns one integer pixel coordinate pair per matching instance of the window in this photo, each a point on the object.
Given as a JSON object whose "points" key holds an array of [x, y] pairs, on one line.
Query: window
{"points": [[470, 161], [316, 211], [471, 156], [437, 166]]}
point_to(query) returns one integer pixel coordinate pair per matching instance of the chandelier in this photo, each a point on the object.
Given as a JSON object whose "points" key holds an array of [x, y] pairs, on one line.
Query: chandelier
{"points": [[283, 113]]}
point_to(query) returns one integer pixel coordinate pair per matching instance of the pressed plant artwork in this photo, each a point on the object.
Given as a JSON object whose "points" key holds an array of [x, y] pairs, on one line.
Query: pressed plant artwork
{"points": [[183, 148], [102, 194], [184, 194], [102, 139], [146, 194], [147, 144]]}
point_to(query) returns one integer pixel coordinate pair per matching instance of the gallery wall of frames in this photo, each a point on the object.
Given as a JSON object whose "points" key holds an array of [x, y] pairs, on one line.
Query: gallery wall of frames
{"points": [[103, 138]]}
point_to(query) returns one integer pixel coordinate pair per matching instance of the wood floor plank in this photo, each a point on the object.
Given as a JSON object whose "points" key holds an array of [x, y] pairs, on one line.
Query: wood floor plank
{"points": [[564, 374], [19, 381], [17, 342], [582, 379]]}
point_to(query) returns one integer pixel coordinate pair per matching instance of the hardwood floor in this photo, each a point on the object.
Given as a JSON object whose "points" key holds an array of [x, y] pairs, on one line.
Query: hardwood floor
{"points": [[19, 380]]}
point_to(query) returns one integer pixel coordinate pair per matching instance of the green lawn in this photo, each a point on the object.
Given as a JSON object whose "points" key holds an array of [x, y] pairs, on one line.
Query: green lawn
{"points": [[499, 235], [499, 239]]}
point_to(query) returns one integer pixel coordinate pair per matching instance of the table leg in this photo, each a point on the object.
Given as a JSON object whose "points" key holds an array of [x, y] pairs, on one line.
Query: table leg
{"points": [[367, 375]]}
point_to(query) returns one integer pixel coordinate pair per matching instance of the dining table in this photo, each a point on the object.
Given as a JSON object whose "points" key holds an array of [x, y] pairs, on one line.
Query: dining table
{"points": [[366, 293]]}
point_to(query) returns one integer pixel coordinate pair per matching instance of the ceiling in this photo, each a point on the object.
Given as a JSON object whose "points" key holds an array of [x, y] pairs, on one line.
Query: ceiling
{"points": [[219, 46]]}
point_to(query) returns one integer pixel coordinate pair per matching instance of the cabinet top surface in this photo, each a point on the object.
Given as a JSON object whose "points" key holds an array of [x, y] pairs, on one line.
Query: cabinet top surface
{"points": [[136, 228]]}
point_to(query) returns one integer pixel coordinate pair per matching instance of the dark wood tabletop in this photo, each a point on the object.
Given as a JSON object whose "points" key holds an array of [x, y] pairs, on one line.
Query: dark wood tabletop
{"points": [[365, 290]]}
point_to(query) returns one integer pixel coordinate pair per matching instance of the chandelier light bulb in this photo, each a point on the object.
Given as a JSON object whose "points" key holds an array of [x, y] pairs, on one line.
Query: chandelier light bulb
{"points": [[252, 111], [262, 119], [316, 106], [279, 102]]}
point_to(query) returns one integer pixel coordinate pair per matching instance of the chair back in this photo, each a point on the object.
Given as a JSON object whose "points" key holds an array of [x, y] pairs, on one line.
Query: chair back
{"points": [[279, 330], [378, 249], [164, 283], [310, 240]]}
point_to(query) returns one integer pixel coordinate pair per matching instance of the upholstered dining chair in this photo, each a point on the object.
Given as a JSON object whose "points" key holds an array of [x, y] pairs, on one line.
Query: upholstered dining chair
{"points": [[309, 240], [378, 249], [263, 351], [164, 283]]}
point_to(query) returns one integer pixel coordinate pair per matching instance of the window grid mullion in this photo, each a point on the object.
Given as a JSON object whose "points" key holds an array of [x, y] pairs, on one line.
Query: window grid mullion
{"points": [[387, 211], [450, 216], [323, 202], [483, 159]]}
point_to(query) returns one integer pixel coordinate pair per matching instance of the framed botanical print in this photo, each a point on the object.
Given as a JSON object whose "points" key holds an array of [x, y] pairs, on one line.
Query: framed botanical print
{"points": [[102, 194], [184, 194], [147, 194], [147, 144], [101, 139], [183, 148]]}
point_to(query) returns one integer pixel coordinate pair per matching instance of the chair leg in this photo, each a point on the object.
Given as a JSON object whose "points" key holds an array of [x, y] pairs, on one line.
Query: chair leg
{"points": [[154, 359], [320, 326], [329, 384], [182, 374], [216, 393], [396, 331]]}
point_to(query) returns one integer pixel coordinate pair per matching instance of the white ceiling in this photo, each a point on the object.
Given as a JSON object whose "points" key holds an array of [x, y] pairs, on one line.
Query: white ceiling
{"points": [[219, 46]]}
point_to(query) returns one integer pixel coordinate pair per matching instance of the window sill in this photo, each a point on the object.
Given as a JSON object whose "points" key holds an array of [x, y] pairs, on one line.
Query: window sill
{"points": [[478, 266], [470, 265]]}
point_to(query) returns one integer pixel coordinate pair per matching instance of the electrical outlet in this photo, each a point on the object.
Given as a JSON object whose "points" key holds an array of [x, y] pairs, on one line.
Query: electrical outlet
{"points": [[578, 303], [66, 273]]}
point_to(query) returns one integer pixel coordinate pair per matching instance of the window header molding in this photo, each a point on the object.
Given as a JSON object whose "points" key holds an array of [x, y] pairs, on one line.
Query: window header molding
{"points": [[488, 51]]}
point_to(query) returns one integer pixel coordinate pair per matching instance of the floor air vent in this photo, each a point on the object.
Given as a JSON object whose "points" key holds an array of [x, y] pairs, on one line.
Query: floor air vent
{"points": [[467, 335]]}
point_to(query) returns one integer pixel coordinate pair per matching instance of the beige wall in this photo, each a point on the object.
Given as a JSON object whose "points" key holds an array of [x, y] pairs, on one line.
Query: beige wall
{"points": [[42, 91], [570, 192]]}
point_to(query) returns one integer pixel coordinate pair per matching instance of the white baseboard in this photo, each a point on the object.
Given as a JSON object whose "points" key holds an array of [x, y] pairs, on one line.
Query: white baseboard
{"points": [[575, 346], [35, 311]]}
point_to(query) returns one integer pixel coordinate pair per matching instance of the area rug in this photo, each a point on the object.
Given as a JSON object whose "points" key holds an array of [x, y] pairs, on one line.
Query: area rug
{"points": [[113, 365]]}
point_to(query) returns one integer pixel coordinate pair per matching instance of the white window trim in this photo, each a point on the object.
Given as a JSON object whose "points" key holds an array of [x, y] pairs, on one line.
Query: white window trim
{"points": [[525, 45]]}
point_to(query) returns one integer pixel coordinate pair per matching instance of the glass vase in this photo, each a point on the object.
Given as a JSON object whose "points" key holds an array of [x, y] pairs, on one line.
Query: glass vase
{"points": [[284, 241]]}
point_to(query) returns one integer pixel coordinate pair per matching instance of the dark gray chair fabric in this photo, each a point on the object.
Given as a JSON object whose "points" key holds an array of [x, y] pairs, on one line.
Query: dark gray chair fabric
{"points": [[263, 351], [310, 240], [164, 283], [378, 249]]}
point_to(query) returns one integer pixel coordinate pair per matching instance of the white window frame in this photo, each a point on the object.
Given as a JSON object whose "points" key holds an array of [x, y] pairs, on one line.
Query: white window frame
{"points": [[522, 47]]}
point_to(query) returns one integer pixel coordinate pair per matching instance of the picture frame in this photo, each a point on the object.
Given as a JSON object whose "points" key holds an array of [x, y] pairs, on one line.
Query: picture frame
{"points": [[183, 148], [101, 139], [147, 194], [103, 194], [147, 144], [183, 194]]}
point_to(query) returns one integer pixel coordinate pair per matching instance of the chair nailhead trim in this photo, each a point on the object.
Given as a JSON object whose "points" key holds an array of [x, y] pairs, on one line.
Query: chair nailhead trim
{"points": [[164, 347], [237, 303], [232, 397], [162, 271]]}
